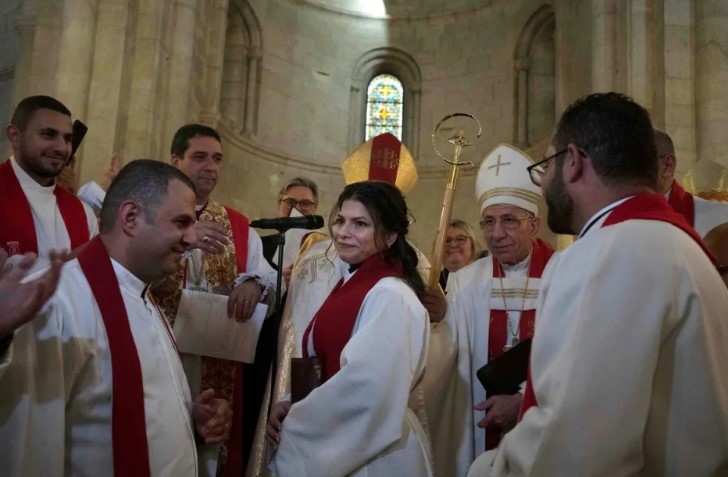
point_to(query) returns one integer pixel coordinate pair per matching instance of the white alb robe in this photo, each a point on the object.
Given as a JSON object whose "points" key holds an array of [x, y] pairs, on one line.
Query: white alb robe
{"points": [[56, 380], [472, 294], [708, 214], [364, 420], [628, 361], [49, 226]]}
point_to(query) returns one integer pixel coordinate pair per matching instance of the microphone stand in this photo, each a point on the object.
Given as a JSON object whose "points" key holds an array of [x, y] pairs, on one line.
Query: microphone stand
{"points": [[280, 239]]}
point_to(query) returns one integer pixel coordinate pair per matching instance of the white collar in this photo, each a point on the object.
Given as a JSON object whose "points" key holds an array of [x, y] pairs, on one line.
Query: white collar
{"points": [[520, 266], [27, 182], [601, 215], [667, 194], [129, 281]]}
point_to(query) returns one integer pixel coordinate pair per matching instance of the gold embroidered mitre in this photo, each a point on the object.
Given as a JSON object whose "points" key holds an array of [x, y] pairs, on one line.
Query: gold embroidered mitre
{"points": [[382, 158], [503, 179]]}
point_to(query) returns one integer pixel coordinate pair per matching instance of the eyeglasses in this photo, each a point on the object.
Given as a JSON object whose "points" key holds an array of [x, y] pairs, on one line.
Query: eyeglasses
{"points": [[538, 170], [508, 223], [304, 205], [459, 240]]}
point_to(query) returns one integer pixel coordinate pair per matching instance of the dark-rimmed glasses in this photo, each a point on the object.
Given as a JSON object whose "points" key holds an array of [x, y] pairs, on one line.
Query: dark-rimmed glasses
{"points": [[537, 171], [303, 205]]}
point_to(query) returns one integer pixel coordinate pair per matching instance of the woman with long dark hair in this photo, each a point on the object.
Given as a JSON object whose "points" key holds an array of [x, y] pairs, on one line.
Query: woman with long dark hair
{"points": [[371, 334]]}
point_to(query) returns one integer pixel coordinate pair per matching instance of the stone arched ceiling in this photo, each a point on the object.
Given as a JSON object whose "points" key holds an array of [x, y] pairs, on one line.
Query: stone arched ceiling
{"points": [[399, 9]]}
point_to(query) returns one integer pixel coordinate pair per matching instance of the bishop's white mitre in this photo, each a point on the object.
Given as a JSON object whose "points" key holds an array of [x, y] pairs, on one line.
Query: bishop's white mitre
{"points": [[504, 179]]}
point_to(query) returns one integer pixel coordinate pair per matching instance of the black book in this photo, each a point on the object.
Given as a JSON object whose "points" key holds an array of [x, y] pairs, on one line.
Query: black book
{"points": [[505, 374]]}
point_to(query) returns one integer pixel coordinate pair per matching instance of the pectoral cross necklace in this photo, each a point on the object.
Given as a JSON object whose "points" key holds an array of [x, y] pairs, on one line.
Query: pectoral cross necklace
{"points": [[196, 269], [509, 328]]}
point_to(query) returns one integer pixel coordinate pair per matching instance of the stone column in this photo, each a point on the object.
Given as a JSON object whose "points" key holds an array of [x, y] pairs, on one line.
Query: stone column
{"points": [[215, 57], [642, 53], [44, 52], [711, 79], [25, 25], [105, 112], [76, 55], [251, 99], [178, 78], [356, 121], [522, 102], [603, 26], [678, 91], [415, 125], [232, 95]]}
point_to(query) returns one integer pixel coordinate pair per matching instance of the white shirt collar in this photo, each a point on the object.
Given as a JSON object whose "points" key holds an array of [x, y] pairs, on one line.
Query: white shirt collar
{"points": [[129, 281], [520, 266], [27, 182], [667, 194], [601, 216]]}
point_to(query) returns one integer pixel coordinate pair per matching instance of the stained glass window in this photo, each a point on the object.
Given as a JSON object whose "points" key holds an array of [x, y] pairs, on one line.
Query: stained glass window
{"points": [[384, 106]]}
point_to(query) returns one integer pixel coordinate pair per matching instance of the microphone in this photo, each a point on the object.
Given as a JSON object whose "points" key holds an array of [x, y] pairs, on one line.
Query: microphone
{"points": [[282, 224]]}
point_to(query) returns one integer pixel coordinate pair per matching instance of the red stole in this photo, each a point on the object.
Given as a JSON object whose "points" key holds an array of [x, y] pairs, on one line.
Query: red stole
{"points": [[128, 424], [639, 207], [235, 466], [17, 230], [498, 328], [498, 332], [682, 202], [337, 315]]}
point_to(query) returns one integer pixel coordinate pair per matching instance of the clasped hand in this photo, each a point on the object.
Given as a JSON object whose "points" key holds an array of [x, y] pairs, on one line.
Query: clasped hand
{"points": [[212, 417]]}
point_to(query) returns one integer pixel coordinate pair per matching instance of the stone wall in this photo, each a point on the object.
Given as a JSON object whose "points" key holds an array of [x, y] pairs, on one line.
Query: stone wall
{"points": [[9, 13], [281, 79]]}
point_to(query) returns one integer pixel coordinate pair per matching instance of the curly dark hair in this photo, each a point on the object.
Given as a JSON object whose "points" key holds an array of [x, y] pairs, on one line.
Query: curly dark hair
{"points": [[388, 210]]}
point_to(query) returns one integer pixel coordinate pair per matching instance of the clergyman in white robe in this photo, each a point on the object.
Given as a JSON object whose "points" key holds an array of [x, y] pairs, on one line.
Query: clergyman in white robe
{"points": [[56, 379], [364, 420], [50, 229], [472, 294], [628, 361]]}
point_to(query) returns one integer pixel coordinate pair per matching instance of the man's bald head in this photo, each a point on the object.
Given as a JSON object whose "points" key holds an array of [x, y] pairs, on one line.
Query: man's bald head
{"points": [[717, 242]]}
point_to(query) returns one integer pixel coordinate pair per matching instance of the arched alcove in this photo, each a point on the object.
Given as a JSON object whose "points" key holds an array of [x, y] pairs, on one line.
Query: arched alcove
{"points": [[398, 63], [534, 91], [240, 91]]}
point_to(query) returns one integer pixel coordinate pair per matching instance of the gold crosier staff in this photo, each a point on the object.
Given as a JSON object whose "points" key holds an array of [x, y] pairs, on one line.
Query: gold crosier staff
{"points": [[459, 141]]}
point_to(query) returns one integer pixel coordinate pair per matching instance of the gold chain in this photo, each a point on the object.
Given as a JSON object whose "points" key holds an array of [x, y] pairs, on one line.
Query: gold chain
{"points": [[515, 333], [197, 272]]}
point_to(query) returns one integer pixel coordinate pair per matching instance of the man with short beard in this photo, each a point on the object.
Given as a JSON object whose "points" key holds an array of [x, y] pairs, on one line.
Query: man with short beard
{"points": [[627, 361], [35, 215]]}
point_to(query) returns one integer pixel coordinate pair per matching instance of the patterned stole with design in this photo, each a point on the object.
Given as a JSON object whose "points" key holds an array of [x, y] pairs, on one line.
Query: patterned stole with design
{"points": [[17, 230], [514, 297], [224, 376]]}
